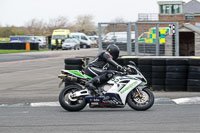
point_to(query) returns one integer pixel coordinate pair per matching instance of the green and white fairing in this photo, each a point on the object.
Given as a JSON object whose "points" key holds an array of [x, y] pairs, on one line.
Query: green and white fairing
{"points": [[77, 73], [122, 85]]}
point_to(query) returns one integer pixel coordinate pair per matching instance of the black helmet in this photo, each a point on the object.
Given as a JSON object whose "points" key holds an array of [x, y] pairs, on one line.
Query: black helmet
{"points": [[113, 50]]}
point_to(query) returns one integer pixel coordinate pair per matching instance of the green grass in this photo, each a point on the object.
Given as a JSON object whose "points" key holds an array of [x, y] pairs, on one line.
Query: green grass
{"points": [[2, 51]]}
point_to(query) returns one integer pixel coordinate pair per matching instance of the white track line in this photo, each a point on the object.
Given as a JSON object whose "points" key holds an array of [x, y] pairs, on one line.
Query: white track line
{"points": [[189, 100], [158, 101]]}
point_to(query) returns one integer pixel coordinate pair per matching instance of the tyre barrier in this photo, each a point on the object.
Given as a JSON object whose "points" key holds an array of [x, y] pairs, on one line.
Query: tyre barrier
{"points": [[162, 74], [193, 81], [176, 74], [19, 46], [145, 67], [158, 74]]}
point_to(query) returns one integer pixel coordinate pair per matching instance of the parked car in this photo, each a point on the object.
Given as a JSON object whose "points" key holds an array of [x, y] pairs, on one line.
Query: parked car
{"points": [[71, 43], [85, 42]]}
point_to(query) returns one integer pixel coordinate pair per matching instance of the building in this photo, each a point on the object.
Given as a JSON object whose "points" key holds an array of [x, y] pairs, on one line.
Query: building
{"points": [[179, 11], [188, 17]]}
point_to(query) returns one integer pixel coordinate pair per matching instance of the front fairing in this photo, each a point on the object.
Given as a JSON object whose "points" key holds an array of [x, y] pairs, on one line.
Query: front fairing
{"points": [[122, 85]]}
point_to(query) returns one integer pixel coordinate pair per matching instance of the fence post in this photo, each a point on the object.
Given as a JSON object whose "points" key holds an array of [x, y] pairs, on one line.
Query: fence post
{"points": [[136, 39], [157, 39], [176, 39], [100, 38], [129, 44]]}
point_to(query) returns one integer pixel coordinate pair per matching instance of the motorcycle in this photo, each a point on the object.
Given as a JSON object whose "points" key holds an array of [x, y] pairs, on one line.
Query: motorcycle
{"points": [[128, 87]]}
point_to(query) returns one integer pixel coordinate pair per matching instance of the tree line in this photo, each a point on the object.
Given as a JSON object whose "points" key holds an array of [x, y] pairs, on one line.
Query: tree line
{"points": [[83, 23]]}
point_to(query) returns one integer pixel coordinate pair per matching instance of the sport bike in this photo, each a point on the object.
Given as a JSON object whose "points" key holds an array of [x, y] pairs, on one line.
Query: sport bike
{"points": [[127, 87]]}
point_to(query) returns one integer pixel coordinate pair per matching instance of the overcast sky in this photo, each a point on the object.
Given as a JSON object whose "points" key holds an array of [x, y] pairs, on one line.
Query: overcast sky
{"points": [[18, 12]]}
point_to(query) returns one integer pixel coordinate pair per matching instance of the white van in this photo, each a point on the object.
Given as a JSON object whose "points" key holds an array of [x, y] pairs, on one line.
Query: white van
{"points": [[85, 42], [118, 36], [41, 40]]}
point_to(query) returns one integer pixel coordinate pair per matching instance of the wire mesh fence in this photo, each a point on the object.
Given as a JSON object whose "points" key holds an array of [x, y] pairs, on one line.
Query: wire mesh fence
{"points": [[141, 38]]}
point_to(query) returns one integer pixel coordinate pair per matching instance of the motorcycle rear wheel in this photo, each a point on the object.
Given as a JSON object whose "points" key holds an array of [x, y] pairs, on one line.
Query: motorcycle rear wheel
{"points": [[140, 103], [68, 102]]}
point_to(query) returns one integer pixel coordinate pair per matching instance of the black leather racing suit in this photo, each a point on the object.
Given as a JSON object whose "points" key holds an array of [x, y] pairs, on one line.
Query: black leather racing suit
{"points": [[98, 68]]}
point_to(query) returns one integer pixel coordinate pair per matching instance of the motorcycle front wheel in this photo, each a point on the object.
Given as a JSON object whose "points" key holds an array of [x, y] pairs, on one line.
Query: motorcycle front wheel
{"points": [[68, 102], [140, 102]]}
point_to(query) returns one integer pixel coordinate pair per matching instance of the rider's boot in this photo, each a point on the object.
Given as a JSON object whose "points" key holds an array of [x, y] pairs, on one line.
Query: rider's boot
{"points": [[91, 84]]}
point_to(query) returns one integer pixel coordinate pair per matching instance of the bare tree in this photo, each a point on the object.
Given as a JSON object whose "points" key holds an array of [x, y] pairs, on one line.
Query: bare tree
{"points": [[35, 27], [118, 20], [116, 27], [85, 24], [58, 23]]}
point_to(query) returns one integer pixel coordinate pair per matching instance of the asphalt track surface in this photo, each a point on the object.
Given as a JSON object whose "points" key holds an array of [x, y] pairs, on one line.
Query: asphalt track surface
{"points": [[33, 76], [27, 78], [159, 119]]}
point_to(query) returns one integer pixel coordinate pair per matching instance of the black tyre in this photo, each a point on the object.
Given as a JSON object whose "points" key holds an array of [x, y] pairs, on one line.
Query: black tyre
{"points": [[175, 88], [145, 68], [194, 75], [159, 62], [147, 74], [68, 83], [158, 87], [158, 81], [140, 103], [176, 68], [194, 62], [158, 68], [193, 82], [194, 68], [144, 61], [74, 61], [177, 82], [69, 103], [158, 75], [176, 61], [175, 75], [73, 67], [193, 88]]}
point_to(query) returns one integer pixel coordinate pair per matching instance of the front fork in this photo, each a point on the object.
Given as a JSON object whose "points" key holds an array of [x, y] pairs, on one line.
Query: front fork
{"points": [[139, 90]]}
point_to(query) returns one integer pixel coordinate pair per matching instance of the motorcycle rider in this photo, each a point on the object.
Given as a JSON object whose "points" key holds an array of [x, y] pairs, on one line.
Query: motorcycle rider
{"points": [[98, 68]]}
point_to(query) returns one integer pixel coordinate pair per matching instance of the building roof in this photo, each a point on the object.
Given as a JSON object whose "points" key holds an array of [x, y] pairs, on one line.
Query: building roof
{"points": [[170, 2], [192, 7], [191, 27]]}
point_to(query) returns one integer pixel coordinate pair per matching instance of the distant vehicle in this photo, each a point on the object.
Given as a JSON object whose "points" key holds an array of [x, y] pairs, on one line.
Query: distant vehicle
{"points": [[71, 43], [121, 40], [113, 36], [150, 36], [93, 39], [22, 39], [85, 42], [31, 39], [61, 35], [41, 40], [4, 40]]}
